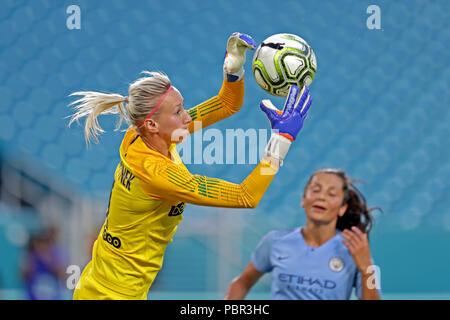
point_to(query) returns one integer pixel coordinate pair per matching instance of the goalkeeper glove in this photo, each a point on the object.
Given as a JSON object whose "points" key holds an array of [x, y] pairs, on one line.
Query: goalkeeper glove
{"points": [[233, 65], [286, 124]]}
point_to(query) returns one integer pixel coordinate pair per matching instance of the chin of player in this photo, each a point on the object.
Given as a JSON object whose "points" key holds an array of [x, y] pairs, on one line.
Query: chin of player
{"points": [[321, 217], [179, 135]]}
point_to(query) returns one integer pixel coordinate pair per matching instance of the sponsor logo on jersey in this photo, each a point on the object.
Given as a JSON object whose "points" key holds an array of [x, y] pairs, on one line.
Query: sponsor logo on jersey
{"points": [[294, 279], [114, 241], [336, 264], [177, 210]]}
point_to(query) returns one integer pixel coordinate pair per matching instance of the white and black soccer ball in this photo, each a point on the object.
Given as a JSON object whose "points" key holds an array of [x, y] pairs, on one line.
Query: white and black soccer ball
{"points": [[282, 60]]}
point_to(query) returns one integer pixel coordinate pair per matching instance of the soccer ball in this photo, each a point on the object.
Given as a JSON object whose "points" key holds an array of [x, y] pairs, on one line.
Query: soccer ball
{"points": [[282, 60]]}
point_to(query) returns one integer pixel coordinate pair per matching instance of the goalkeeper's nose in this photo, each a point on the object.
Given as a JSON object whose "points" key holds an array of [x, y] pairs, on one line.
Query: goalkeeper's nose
{"points": [[187, 117]]}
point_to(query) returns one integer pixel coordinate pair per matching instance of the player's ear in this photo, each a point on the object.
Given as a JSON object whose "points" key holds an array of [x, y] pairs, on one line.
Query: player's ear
{"points": [[151, 126], [342, 210]]}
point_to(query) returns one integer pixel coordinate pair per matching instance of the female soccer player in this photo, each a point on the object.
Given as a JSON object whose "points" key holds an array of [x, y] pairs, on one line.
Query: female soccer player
{"points": [[151, 184], [324, 259]]}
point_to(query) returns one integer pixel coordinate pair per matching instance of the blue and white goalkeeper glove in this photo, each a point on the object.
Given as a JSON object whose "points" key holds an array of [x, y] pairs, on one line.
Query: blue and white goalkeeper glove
{"points": [[286, 124], [233, 65]]}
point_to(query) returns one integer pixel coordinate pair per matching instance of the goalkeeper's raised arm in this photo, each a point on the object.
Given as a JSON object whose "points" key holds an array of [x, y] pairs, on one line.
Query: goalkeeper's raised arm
{"points": [[231, 96], [168, 180]]}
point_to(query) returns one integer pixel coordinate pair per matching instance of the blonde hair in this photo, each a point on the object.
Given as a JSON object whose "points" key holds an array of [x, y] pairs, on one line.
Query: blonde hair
{"points": [[144, 94]]}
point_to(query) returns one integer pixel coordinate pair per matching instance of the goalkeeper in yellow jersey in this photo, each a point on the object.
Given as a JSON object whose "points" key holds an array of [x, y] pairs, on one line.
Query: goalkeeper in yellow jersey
{"points": [[152, 185]]}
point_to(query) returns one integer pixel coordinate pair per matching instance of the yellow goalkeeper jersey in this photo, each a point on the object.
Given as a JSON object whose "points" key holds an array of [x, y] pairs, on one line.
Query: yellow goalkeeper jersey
{"points": [[146, 203]]}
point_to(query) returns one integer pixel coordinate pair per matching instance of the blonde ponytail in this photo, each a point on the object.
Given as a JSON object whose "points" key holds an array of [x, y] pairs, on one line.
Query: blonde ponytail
{"points": [[91, 105], [144, 94]]}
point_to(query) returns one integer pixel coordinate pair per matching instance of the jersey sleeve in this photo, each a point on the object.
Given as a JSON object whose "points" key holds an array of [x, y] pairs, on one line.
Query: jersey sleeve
{"points": [[227, 102], [175, 182], [261, 255]]}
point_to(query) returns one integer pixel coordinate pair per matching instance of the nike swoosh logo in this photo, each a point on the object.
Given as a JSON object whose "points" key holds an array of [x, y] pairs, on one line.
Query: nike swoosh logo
{"points": [[282, 257]]}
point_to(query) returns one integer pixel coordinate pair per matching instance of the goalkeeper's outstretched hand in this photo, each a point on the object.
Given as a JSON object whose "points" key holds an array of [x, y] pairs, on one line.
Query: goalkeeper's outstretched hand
{"points": [[237, 45], [287, 123]]}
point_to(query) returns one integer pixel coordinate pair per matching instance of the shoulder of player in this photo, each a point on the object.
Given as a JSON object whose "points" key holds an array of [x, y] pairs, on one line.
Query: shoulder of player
{"points": [[145, 162], [339, 246], [338, 238]]}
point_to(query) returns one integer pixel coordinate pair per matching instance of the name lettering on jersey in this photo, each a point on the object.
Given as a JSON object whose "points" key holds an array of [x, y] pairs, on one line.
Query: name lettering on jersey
{"points": [[125, 176], [177, 210]]}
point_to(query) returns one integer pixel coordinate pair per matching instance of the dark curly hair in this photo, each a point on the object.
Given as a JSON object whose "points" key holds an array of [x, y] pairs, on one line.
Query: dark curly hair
{"points": [[357, 213]]}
